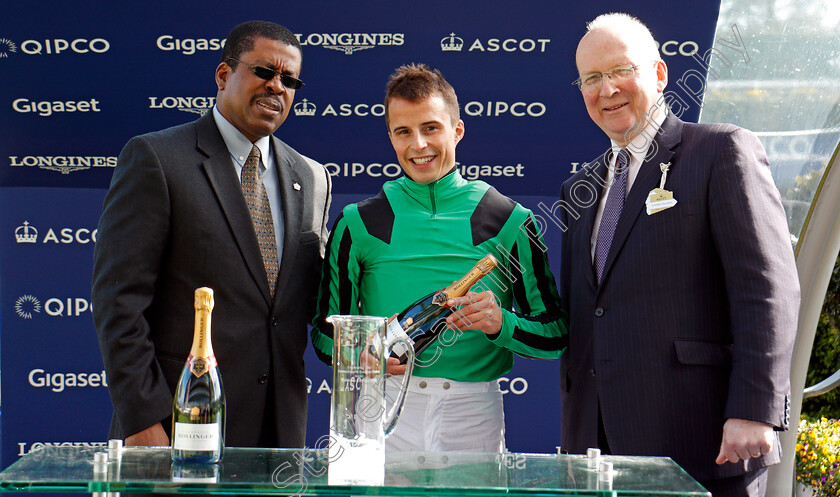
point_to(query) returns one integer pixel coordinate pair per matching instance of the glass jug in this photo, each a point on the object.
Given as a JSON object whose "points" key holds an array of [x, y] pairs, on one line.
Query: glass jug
{"points": [[359, 415]]}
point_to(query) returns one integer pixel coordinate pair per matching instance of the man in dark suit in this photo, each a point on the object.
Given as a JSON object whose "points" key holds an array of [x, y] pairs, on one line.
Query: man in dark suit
{"points": [[678, 276], [177, 218]]}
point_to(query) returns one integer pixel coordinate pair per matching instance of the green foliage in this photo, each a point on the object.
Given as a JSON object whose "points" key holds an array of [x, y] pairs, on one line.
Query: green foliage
{"points": [[825, 356]]}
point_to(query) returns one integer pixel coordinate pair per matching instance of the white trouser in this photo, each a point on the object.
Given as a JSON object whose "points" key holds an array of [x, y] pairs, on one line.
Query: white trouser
{"points": [[446, 415]]}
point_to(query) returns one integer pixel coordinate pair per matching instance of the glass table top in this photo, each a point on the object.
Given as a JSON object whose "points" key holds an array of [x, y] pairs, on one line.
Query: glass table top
{"points": [[305, 471]]}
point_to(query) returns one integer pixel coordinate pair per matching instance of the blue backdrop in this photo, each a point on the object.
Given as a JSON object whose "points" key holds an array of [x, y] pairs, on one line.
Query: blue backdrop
{"points": [[80, 78]]}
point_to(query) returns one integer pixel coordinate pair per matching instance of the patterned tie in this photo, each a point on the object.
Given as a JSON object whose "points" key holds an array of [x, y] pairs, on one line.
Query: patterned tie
{"points": [[612, 211], [257, 200]]}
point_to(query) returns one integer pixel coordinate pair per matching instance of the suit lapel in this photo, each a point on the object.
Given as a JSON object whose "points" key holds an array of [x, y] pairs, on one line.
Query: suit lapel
{"points": [[226, 185], [667, 139], [292, 201]]}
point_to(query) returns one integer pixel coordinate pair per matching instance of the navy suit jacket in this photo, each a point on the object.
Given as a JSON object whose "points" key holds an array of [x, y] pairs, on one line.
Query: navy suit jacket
{"points": [[175, 219], [695, 318]]}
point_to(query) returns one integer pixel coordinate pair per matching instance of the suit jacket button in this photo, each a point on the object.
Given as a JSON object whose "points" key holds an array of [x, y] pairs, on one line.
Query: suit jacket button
{"points": [[263, 379], [275, 321], [592, 371], [599, 311]]}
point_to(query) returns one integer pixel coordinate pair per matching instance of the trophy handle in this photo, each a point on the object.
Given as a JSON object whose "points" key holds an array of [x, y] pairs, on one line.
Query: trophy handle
{"points": [[396, 409]]}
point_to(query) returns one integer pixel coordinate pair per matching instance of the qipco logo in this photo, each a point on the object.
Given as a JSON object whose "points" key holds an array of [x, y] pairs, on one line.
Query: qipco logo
{"points": [[495, 109], [58, 45]]}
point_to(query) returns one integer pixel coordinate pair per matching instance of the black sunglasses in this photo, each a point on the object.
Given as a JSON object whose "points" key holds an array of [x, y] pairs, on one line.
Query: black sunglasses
{"points": [[269, 74]]}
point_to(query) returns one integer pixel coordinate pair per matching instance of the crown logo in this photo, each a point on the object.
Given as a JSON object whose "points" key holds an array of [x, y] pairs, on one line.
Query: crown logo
{"points": [[26, 233], [305, 108], [451, 43]]}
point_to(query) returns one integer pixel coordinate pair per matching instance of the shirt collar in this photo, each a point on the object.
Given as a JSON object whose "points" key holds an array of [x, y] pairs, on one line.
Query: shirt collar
{"points": [[239, 146]]}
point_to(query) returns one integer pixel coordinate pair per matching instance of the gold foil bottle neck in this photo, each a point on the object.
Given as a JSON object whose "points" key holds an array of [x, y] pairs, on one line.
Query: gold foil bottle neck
{"points": [[201, 354], [462, 286], [204, 299]]}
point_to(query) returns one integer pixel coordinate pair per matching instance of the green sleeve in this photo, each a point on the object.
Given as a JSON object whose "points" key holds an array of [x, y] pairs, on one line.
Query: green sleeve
{"points": [[339, 289], [537, 328]]}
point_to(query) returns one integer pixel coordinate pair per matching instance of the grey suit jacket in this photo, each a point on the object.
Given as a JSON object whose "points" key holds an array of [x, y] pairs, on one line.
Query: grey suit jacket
{"points": [[695, 317], [175, 219]]}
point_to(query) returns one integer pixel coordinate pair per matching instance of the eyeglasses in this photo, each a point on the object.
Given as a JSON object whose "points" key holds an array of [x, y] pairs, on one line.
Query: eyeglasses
{"points": [[593, 81], [269, 74]]}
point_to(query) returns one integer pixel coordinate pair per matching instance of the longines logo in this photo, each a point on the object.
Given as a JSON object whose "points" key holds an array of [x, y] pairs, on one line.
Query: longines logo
{"points": [[6, 47], [22, 451], [197, 105], [26, 233], [351, 42], [25, 305], [64, 164], [28, 305], [453, 43]]}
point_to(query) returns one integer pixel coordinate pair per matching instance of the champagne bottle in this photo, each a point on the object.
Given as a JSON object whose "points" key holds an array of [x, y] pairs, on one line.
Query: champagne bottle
{"points": [[424, 320], [198, 412]]}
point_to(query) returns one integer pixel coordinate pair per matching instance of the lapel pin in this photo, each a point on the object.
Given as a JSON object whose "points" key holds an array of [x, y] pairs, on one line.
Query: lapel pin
{"points": [[296, 186]]}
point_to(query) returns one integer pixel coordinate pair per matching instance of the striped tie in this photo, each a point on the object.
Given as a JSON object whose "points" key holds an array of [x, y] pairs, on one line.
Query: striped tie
{"points": [[612, 211], [257, 200]]}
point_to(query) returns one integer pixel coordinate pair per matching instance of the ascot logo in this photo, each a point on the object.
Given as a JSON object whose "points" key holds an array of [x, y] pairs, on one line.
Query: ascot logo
{"points": [[26, 305], [305, 108], [351, 42], [64, 164], [26, 234], [6, 47], [197, 105], [454, 43]]}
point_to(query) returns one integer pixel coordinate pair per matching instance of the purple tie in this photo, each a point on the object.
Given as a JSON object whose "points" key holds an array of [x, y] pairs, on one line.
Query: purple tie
{"points": [[257, 200], [612, 211]]}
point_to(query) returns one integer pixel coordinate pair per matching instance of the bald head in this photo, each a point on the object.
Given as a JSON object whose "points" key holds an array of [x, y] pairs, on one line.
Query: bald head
{"points": [[620, 101], [632, 31]]}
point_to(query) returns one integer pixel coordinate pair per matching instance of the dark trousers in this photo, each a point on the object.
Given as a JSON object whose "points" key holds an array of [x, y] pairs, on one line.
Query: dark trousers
{"points": [[752, 484]]}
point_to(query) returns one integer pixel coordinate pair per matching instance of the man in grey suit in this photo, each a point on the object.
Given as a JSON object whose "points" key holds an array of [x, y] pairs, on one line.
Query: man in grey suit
{"points": [[177, 218], [678, 276]]}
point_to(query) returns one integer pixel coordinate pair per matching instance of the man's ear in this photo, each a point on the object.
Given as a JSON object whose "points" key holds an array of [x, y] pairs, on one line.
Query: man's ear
{"points": [[459, 131], [222, 72]]}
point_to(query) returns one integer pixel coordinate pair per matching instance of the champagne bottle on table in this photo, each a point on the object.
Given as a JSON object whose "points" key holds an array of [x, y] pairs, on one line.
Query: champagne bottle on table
{"points": [[198, 412], [424, 320]]}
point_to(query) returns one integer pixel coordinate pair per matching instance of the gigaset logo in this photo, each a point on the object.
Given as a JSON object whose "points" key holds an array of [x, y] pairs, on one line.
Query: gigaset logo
{"points": [[189, 46], [58, 382]]}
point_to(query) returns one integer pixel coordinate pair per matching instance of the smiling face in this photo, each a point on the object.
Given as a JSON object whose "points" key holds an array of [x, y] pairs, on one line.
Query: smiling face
{"points": [[424, 137], [257, 107], [618, 104]]}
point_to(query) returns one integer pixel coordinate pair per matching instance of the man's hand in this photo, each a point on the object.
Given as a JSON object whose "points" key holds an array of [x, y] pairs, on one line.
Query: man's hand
{"points": [[744, 439], [393, 366], [153, 436], [480, 312]]}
